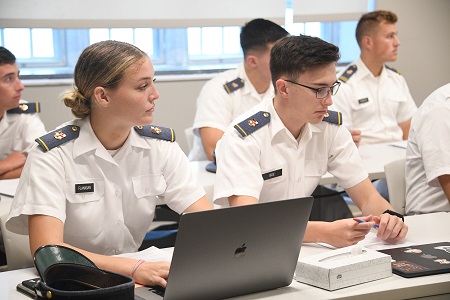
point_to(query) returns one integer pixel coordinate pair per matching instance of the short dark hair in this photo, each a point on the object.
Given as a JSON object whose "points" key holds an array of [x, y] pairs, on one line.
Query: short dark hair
{"points": [[369, 21], [258, 33], [6, 57], [293, 55]]}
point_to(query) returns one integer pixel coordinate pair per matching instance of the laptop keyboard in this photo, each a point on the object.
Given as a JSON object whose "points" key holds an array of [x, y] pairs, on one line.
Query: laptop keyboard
{"points": [[159, 290]]}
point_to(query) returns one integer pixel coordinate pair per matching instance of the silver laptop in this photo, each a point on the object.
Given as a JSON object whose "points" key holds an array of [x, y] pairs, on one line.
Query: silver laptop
{"points": [[235, 251]]}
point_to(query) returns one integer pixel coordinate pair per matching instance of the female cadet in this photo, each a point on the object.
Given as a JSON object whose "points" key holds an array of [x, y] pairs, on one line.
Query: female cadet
{"points": [[92, 184]]}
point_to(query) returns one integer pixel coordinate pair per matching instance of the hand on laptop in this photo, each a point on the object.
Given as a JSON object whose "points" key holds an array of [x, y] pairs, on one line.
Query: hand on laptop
{"points": [[152, 273]]}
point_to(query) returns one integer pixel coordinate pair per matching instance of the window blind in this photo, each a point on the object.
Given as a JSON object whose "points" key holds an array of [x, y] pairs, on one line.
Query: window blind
{"points": [[136, 13], [328, 10]]}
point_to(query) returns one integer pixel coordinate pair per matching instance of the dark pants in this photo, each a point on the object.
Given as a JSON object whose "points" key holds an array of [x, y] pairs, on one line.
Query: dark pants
{"points": [[329, 205]]}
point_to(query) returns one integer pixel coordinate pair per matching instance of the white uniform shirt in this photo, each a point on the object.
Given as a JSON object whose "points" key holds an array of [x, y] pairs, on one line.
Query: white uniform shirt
{"points": [[217, 109], [296, 167], [428, 154], [18, 132], [375, 105], [115, 217]]}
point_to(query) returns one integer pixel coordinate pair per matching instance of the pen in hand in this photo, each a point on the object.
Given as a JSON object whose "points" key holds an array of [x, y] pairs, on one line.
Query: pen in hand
{"points": [[362, 221]]}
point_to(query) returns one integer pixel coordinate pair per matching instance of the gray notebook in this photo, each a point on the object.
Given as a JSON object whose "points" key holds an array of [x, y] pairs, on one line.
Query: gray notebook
{"points": [[235, 251]]}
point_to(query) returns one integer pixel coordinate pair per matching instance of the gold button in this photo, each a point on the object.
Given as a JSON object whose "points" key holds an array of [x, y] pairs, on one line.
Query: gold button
{"points": [[49, 294]]}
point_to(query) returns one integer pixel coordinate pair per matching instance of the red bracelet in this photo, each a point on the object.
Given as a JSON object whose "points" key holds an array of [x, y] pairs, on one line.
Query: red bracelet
{"points": [[139, 262]]}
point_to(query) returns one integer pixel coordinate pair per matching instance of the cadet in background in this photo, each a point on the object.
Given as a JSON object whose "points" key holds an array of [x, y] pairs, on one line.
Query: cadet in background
{"points": [[231, 93], [19, 120], [374, 98]]}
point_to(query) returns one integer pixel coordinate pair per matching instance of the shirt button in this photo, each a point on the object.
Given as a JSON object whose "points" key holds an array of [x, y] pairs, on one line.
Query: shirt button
{"points": [[320, 171], [299, 179], [117, 192], [117, 251], [119, 221], [147, 190]]}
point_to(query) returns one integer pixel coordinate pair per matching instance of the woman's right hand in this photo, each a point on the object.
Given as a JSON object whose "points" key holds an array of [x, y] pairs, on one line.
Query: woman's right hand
{"points": [[152, 273]]}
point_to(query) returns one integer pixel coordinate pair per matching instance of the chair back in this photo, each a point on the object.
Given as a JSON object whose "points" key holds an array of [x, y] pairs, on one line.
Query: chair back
{"points": [[189, 133], [17, 246], [396, 182]]}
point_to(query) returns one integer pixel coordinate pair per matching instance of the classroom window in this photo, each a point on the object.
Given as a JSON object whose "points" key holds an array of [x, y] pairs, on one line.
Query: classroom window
{"points": [[53, 52]]}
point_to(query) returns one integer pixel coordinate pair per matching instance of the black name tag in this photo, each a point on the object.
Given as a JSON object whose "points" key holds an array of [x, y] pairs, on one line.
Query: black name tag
{"points": [[272, 174], [84, 188], [364, 100]]}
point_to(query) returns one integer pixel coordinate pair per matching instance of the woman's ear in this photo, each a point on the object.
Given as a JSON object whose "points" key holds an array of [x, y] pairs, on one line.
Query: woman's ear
{"points": [[100, 96]]}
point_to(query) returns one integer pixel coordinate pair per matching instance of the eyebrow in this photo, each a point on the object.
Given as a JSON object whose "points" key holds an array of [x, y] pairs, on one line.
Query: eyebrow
{"points": [[145, 78], [9, 74]]}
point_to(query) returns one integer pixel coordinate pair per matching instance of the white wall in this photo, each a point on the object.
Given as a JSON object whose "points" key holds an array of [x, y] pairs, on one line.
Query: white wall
{"points": [[424, 53], [423, 60]]}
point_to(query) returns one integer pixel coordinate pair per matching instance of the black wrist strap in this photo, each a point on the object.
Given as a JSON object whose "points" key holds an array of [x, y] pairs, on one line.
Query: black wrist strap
{"points": [[391, 212]]}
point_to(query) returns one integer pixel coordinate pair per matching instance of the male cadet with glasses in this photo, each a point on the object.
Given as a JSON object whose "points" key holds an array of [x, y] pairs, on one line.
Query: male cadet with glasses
{"points": [[374, 98], [280, 148], [19, 124], [232, 92]]}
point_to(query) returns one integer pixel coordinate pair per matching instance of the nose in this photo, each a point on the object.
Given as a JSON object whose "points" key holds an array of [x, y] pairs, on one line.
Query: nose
{"points": [[19, 85], [397, 41], [328, 101], [154, 95]]}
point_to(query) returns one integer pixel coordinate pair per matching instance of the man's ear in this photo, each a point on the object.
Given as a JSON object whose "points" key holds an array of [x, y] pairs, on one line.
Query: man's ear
{"points": [[251, 60], [282, 88], [100, 96], [366, 42]]}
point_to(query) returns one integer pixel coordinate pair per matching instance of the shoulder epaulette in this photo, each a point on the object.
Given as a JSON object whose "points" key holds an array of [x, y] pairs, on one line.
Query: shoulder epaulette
{"points": [[26, 108], [253, 123], [233, 85], [333, 117], [348, 73], [392, 69], [58, 137], [153, 131]]}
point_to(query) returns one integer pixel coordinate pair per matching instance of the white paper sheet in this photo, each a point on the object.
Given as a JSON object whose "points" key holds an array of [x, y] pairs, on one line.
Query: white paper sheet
{"points": [[152, 254], [8, 187], [400, 144]]}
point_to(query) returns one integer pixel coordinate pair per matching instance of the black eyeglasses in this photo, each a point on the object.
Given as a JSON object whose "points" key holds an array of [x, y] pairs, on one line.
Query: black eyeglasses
{"points": [[321, 93]]}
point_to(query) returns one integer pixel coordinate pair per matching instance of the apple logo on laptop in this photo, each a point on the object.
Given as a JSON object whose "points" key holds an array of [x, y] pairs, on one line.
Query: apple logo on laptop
{"points": [[240, 251]]}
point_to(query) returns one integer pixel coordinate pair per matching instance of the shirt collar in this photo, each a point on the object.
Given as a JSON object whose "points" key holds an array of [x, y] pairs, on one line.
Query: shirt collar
{"points": [[276, 125], [363, 71], [248, 86], [88, 141]]}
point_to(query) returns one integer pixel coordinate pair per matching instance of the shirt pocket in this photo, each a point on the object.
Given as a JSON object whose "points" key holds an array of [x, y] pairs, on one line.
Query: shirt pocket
{"points": [[150, 185], [362, 102], [275, 184], [84, 210], [314, 170]]}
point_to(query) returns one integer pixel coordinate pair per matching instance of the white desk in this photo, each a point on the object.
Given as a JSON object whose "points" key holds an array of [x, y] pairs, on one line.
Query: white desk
{"points": [[422, 229], [374, 157]]}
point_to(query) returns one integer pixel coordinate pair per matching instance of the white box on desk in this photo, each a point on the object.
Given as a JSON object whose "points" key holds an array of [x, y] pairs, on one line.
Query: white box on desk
{"points": [[340, 268]]}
